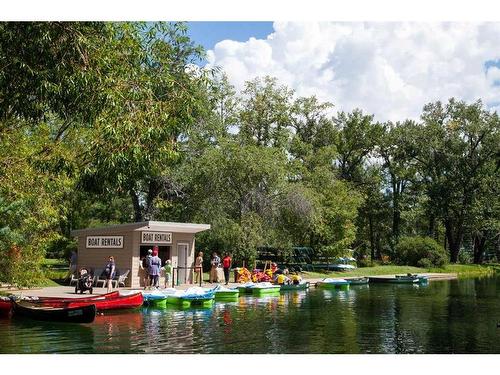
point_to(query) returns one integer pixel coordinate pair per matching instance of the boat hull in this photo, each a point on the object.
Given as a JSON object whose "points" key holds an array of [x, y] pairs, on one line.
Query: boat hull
{"points": [[184, 302], [227, 295], [360, 281], [291, 287], [82, 299], [102, 304], [85, 314], [394, 280], [5, 307], [266, 291], [245, 290], [334, 286]]}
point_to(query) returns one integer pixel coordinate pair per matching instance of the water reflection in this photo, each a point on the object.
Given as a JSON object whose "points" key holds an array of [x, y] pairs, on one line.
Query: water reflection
{"points": [[442, 317]]}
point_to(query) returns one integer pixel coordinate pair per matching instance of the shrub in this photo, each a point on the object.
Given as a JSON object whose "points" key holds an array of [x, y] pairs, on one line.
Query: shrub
{"points": [[420, 252], [464, 256], [425, 263], [364, 262]]}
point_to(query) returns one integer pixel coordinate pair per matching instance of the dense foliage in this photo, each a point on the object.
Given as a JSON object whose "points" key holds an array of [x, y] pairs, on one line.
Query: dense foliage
{"points": [[114, 122], [420, 252]]}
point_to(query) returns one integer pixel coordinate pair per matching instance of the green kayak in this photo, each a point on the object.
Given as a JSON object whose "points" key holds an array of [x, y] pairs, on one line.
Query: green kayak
{"points": [[289, 287]]}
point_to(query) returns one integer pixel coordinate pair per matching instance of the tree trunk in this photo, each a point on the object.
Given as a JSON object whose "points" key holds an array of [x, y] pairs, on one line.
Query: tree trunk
{"points": [[432, 226], [372, 240], [378, 254], [137, 206], [479, 243], [497, 248], [454, 236], [396, 214]]}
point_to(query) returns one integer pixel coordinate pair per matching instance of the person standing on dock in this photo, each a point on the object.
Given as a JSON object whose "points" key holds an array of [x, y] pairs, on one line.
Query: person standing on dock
{"points": [[213, 271], [198, 268], [168, 272], [154, 269], [226, 264], [110, 272]]}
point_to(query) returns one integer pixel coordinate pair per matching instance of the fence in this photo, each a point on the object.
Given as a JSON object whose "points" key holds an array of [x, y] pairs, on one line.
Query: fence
{"points": [[175, 270]]}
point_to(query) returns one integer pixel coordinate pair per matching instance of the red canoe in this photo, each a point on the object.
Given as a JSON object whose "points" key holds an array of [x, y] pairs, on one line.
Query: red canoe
{"points": [[5, 306], [80, 299], [121, 302]]}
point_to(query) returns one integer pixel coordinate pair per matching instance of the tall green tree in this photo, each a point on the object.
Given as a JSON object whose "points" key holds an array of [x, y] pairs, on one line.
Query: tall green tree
{"points": [[156, 95], [398, 164], [456, 152], [265, 113]]}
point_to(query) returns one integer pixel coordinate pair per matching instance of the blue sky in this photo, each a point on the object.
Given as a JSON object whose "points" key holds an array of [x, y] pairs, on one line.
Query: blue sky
{"points": [[209, 33]]}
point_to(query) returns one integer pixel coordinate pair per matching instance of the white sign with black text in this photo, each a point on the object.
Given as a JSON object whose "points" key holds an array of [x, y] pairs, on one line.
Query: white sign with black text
{"points": [[105, 242], [156, 237]]}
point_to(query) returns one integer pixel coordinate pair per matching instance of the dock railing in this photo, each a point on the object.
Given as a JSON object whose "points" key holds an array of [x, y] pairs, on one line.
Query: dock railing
{"points": [[175, 280]]}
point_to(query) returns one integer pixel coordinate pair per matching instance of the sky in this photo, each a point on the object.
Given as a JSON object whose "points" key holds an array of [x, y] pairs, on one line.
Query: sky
{"points": [[389, 69]]}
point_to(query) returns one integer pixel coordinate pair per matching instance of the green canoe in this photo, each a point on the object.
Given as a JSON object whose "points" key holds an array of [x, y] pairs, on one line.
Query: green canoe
{"points": [[358, 281], [395, 280]]}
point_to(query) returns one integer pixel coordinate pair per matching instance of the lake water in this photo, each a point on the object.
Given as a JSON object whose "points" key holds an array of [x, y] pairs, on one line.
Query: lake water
{"points": [[458, 316]]}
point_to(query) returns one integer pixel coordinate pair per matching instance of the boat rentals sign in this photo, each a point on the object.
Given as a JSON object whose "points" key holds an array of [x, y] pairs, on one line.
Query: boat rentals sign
{"points": [[104, 242], [156, 237]]}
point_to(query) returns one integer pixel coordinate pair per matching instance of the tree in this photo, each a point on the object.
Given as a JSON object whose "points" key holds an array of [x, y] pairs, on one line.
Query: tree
{"points": [[237, 189], [356, 139], [397, 159], [156, 95], [265, 113], [457, 150]]}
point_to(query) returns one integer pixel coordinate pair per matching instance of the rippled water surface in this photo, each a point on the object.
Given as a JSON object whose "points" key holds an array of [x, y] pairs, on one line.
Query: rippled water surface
{"points": [[443, 317]]}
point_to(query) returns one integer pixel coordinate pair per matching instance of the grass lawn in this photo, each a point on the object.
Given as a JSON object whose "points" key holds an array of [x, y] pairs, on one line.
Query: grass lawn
{"points": [[55, 271], [463, 270]]}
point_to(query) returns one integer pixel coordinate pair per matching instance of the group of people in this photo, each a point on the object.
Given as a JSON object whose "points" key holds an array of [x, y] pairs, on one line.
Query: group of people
{"points": [[283, 277], [215, 265], [151, 267]]}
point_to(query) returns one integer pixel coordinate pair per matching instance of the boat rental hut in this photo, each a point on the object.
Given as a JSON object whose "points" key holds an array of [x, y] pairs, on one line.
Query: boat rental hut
{"points": [[128, 243]]}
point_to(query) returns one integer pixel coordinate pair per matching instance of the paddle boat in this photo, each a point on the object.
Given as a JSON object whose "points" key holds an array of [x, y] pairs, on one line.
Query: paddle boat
{"points": [[155, 299], [265, 289], [84, 314], [226, 294], [302, 285], [329, 283], [246, 288], [192, 297]]}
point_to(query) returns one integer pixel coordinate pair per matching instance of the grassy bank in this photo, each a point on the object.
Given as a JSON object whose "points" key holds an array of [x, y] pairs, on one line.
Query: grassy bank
{"points": [[462, 270]]}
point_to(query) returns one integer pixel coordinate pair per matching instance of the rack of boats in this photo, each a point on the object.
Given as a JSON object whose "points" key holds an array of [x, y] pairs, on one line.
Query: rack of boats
{"points": [[85, 309]]}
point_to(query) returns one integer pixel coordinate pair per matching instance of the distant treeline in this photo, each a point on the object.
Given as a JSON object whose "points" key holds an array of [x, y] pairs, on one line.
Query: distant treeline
{"points": [[114, 122]]}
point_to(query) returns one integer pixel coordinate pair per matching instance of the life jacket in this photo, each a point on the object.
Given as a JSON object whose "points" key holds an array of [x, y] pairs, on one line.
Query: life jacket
{"points": [[281, 279]]}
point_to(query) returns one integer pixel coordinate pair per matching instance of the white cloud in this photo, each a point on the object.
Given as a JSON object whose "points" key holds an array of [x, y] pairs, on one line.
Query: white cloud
{"points": [[388, 69]]}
